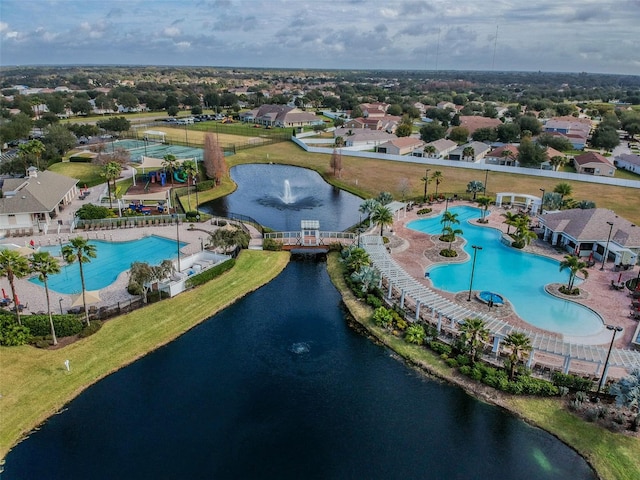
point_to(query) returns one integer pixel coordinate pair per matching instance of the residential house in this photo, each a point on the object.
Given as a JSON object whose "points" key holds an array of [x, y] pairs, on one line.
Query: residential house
{"points": [[400, 146], [498, 156], [480, 150], [591, 233], [29, 204], [445, 105], [592, 163], [279, 116], [371, 110], [628, 161], [366, 138], [574, 129], [473, 123], [387, 123], [442, 148]]}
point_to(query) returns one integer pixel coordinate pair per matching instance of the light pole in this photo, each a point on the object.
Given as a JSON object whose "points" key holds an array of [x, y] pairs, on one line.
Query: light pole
{"points": [[473, 268], [446, 205], [196, 189], [175, 215], [486, 179], [60, 303], [606, 362], [606, 249], [542, 200], [426, 183]]}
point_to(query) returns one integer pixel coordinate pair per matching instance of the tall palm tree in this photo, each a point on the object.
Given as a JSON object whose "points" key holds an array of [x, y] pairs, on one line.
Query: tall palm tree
{"points": [[367, 207], [484, 202], [13, 265], [82, 251], [448, 219], [474, 333], [520, 346], [575, 266], [437, 177], [449, 233], [190, 168], [426, 181], [111, 172], [33, 148], [382, 216], [44, 265], [171, 164], [511, 219]]}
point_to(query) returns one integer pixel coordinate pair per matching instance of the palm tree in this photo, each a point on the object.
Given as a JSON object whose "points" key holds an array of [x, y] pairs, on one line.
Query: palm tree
{"points": [[520, 346], [426, 181], [111, 171], [31, 148], [474, 186], [468, 152], [448, 219], [82, 251], [511, 219], [563, 189], [367, 207], [13, 265], [171, 164], [384, 198], [44, 265], [382, 216], [450, 233], [190, 168], [522, 236], [508, 155], [474, 333], [575, 266], [557, 161], [484, 202], [437, 177], [415, 334], [429, 150], [355, 258]]}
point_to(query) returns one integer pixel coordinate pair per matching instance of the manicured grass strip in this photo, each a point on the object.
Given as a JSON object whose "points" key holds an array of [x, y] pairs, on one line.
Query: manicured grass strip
{"points": [[34, 383], [85, 172], [614, 456]]}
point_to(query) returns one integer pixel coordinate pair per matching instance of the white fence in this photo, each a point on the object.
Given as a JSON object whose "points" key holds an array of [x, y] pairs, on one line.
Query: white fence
{"points": [[474, 166]]}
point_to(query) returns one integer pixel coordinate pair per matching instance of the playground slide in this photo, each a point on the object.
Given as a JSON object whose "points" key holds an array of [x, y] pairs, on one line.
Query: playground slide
{"points": [[180, 176]]}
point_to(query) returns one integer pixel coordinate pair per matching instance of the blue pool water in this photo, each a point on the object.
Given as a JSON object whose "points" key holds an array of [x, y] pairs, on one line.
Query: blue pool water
{"points": [[112, 259], [518, 276], [490, 296]]}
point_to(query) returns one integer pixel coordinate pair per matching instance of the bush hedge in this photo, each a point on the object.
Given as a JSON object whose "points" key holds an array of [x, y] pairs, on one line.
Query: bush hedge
{"points": [[12, 334], [65, 325], [572, 382], [89, 330], [210, 274], [271, 245]]}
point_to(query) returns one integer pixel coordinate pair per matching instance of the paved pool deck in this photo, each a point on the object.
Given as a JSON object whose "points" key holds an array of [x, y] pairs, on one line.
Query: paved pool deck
{"points": [[415, 252]]}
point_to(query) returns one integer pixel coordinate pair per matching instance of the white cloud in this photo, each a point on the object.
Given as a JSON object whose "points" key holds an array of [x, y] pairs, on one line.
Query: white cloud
{"points": [[171, 32]]}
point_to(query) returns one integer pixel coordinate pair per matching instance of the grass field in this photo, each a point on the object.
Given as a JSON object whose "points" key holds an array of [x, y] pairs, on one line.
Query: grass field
{"points": [[367, 178], [87, 173], [34, 383]]}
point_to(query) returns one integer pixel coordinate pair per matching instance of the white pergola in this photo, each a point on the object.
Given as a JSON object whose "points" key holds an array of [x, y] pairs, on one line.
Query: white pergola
{"points": [[520, 199]]}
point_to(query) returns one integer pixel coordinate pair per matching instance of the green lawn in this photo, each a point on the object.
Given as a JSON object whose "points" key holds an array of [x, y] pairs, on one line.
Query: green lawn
{"points": [[87, 173], [34, 383]]}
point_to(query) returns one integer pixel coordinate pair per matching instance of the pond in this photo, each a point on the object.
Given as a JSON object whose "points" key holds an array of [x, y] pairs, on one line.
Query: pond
{"points": [[277, 386], [280, 196]]}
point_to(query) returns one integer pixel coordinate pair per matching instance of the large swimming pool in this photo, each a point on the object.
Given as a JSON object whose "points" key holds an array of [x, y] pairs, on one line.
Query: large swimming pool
{"points": [[518, 276], [112, 259]]}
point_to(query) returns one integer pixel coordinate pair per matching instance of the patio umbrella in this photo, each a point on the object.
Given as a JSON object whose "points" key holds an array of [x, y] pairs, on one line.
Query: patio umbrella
{"points": [[92, 296]]}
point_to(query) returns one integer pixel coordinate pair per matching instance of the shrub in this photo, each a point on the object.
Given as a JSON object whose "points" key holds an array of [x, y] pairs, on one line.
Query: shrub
{"points": [[191, 215], [65, 325], [203, 185], [382, 317], [452, 362], [445, 252], [564, 290], [424, 211], [80, 159], [476, 373], [374, 301], [465, 370], [89, 211], [210, 274], [440, 347], [572, 382], [89, 330], [271, 245], [463, 360], [535, 386], [12, 334]]}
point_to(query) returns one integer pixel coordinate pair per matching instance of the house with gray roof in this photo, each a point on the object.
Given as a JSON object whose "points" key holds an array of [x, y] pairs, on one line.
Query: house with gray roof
{"points": [[30, 204], [593, 233], [442, 148], [628, 161], [480, 150]]}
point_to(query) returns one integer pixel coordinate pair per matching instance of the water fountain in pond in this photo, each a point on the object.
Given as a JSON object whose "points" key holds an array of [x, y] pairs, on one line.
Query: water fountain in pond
{"points": [[299, 348], [287, 196]]}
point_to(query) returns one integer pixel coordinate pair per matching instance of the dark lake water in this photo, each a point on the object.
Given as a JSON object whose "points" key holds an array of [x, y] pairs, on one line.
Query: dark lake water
{"points": [[280, 196], [278, 387]]}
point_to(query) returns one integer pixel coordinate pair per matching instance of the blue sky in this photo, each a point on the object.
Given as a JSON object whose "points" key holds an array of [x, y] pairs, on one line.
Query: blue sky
{"points": [[546, 35]]}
